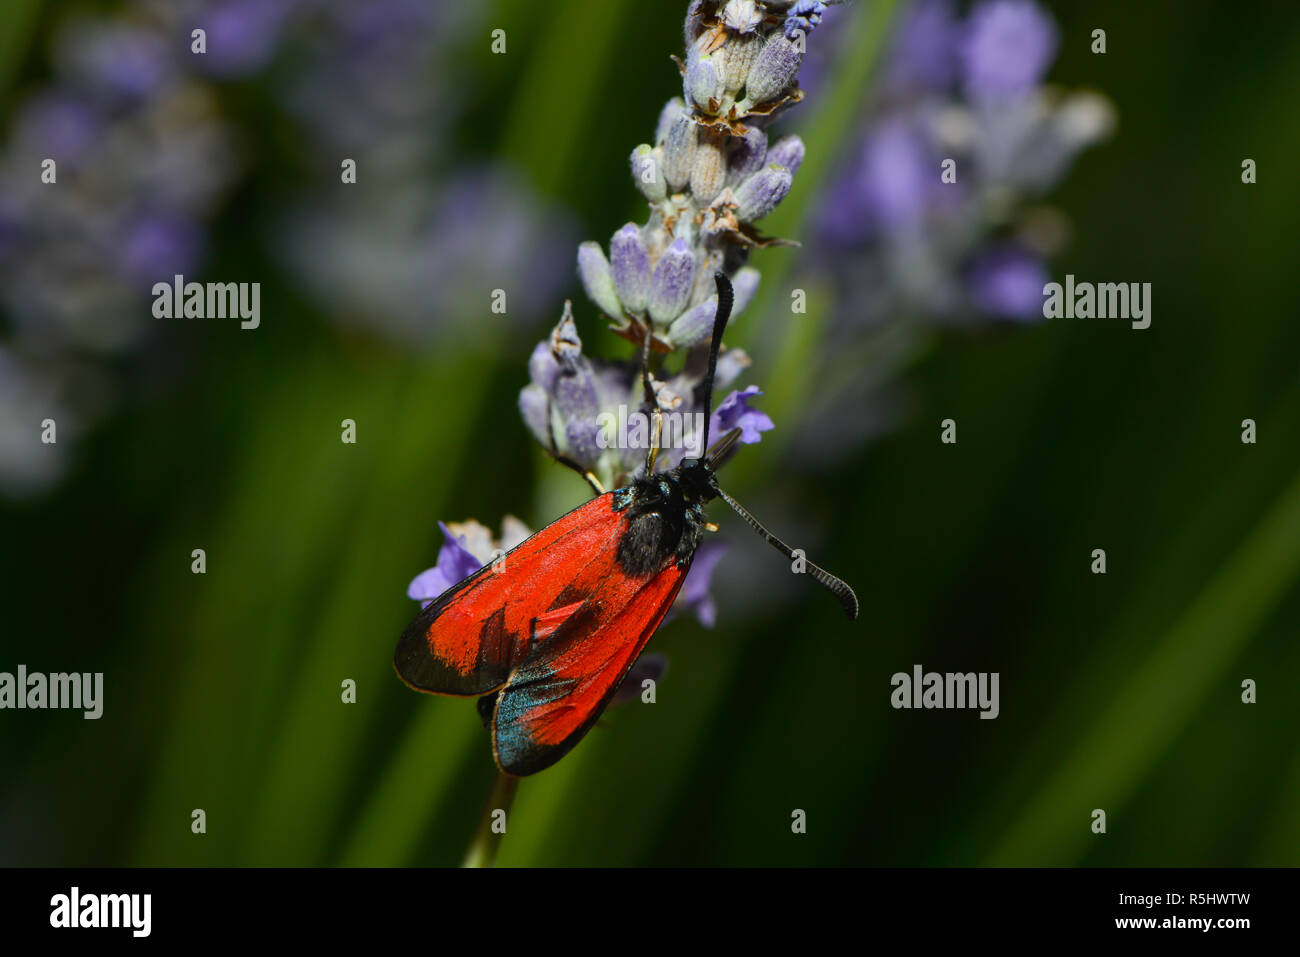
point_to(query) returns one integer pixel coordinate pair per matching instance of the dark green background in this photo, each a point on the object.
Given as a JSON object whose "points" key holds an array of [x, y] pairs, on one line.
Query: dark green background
{"points": [[1119, 692]]}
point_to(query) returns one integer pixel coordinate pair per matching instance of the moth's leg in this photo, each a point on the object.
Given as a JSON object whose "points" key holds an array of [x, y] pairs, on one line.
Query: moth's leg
{"points": [[652, 401]]}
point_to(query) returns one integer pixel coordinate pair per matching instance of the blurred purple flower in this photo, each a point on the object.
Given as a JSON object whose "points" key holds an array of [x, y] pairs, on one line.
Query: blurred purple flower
{"points": [[243, 35], [1006, 281], [12, 226], [651, 666], [923, 55], [56, 123], [695, 596], [1007, 49], [156, 247], [909, 249], [887, 189], [116, 60], [896, 175]]}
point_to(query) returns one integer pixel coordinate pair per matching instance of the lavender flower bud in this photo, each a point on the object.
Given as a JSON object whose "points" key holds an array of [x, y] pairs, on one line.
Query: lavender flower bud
{"points": [[735, 59], [631, 267], [598, 280], [670, 286], [730, 365], [759, 195], [788, 152], [667, 116], [565, 345], [773, 70], [745, 285], [679, 152], [646, 173], [694, 20], [694, 325], [745, 155], [542, 367], [535, 409], [702, 83], [709, 173], [575, 399]]}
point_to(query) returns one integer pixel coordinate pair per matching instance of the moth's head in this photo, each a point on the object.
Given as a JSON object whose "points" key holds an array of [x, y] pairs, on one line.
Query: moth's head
{"points": [[698, 481]]}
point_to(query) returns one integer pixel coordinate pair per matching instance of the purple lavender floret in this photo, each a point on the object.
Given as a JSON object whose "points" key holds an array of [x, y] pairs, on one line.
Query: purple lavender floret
{"points": [[157, 244], [1007, 49], [804, 17], [58, 123], [455, 564], [924, 54], [116, 61], [695, 596], [243, 35], [1006, 282], [630, 263], [735, 412], [672, 282]]}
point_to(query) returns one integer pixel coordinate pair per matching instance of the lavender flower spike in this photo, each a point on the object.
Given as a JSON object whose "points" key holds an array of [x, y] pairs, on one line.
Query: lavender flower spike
{"points": [[707, 174]]}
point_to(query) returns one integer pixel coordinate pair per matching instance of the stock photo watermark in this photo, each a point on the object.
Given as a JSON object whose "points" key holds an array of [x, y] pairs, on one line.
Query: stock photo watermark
{"points": [[127, 911], [634, 429], [37, 691], [1105, 300], [947, 690], [179, 299]]}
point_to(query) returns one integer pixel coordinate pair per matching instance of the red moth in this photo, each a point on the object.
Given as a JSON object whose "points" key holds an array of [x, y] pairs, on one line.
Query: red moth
{"points": [[546, 640]]}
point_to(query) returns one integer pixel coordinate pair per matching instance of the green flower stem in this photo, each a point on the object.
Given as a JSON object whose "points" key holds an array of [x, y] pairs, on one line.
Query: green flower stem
{"points": [[487, 840]]}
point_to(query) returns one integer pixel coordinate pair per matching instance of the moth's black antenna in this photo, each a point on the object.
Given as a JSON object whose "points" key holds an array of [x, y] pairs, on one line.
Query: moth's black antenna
{"points": [[725, 299], [837, 587]]}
